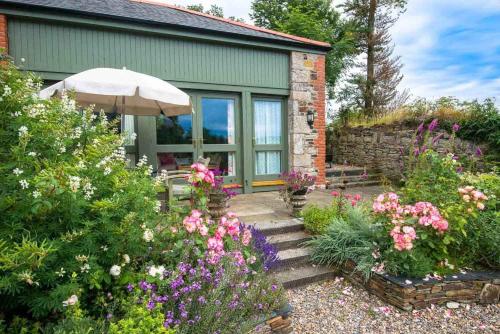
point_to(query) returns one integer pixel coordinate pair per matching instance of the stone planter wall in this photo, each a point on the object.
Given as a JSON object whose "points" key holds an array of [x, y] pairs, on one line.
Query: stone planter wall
{"points": [[473, 287], [379, 147]]}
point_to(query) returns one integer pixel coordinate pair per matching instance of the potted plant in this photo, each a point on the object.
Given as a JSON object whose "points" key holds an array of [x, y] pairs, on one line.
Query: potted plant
{"points": [[296, 186], [218, 196]]}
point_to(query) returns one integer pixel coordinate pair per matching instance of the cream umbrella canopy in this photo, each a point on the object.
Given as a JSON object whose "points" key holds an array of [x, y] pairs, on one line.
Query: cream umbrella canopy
{"points": [[131, 92]]}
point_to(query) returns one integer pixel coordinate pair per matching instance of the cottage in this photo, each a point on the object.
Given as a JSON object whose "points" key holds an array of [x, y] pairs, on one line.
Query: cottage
{"points": [[258, 95]]}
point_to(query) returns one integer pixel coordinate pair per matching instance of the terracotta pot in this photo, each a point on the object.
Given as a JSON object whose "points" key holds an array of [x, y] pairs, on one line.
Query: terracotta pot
{"points": [[217, 205], [298, 201]]}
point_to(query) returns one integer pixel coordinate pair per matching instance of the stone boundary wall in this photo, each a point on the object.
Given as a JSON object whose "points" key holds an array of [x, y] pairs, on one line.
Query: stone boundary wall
{"points": [[379, 147], [408, 295]]}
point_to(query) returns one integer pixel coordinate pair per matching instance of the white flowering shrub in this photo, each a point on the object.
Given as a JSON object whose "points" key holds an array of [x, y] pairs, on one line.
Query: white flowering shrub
{"points": [[73, 216]]}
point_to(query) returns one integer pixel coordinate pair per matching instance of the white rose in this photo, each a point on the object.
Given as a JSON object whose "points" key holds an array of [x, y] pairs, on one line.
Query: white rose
{"points": [[70, 301], [126, 258], [156, 271], [115, 270], [148, 235]]}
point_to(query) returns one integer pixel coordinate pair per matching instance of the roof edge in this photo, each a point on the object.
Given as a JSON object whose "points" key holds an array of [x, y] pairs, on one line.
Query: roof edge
{"points": [[241, 24]]}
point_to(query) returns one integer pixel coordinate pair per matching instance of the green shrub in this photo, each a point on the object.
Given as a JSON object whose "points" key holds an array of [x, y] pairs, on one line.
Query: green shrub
{"points": [[481, 244], [351, 238], [317, 218], [139, 320]]}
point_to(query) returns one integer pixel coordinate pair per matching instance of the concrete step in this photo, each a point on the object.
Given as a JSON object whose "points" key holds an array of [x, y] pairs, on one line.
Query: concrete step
{"points": [[295, 277], [288, 240], [294, 257], [275, 227], [354, 184]]}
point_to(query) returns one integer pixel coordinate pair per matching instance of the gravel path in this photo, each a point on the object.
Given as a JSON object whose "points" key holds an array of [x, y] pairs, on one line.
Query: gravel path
{"points": [[335, 306]]}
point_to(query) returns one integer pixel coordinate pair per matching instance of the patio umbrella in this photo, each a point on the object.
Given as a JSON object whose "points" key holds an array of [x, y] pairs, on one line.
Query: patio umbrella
{"points": [[131, 92]]}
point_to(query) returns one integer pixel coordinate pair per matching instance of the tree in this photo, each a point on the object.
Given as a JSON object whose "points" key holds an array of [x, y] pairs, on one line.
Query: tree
{"points": [[213, 10], [314, 19], [376, 89]]}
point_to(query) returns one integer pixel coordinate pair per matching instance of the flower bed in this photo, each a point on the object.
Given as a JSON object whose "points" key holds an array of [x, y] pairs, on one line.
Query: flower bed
{"points": [[414, 294], [444, 219]]}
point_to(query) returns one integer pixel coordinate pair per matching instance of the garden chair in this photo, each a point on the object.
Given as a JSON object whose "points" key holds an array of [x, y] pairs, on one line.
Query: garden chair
{"points": [[176, 190]]}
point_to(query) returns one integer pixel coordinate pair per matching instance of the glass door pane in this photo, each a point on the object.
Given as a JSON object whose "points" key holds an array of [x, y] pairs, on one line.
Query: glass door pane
{"points": [[174, 142], [268, 138], [219, 124]]}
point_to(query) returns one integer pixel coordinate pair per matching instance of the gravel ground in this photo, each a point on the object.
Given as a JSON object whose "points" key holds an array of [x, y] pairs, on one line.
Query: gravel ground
{"points": [[335, 306]]}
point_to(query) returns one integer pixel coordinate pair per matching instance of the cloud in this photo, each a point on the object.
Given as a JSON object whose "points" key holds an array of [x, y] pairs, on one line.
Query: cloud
{"points": [[450, 48]]}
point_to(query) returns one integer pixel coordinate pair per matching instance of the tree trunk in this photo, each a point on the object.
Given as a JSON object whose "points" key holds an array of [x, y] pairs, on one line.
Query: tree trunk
{"points": [[370, 59]]}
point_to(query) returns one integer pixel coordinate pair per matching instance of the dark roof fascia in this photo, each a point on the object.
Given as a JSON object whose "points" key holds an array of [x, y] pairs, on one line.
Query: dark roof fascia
{"points": [[114, 22]]}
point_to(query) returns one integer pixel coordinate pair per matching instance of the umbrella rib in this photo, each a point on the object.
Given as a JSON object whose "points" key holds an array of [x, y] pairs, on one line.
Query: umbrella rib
{"points": [[156, 101]]}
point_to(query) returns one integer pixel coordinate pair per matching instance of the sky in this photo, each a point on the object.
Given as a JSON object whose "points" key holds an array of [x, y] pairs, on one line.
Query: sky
{"points": [[448, 47]]}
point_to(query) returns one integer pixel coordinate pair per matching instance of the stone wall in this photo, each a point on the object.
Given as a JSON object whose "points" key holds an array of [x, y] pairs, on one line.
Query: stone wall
{"points": [[379, 147], [470, 287], [307, 92]]}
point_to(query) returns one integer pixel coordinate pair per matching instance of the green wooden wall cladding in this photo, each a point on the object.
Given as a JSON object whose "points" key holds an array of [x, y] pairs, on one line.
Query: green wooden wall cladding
{"points": [[53, 48]]}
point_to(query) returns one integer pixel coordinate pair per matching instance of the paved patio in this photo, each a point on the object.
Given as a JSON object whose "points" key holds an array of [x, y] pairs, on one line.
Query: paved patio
{"points": [[267, 206]]}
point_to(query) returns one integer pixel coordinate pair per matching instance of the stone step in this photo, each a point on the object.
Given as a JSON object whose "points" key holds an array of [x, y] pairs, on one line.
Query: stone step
{"points": [[352, 171], [354, 184], [354, 178], [293, 257], [295, 277], [275, 227], [288, 240]]}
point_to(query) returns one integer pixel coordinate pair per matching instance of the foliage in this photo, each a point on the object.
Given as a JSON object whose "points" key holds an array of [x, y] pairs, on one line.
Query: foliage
{"points": [[482, 233], [374, 87], [317, 218], [140, 320], [81, 228], [349, 238], [71, 208], [317, 20], [213, 10], [444, 220]]}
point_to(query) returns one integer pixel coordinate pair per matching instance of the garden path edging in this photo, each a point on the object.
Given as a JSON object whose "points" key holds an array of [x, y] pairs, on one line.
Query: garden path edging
{"points": [[414, 294]]}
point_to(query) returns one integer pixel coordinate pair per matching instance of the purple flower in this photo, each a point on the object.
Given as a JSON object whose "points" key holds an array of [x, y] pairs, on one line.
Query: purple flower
{"points": [[479, 152], [268, 252], [109, 316], [420, 128], [433, 125], [202, 300], [460, 170], [455, 127], [130, 287], [274, 287], [417, 151], [151, 305]]}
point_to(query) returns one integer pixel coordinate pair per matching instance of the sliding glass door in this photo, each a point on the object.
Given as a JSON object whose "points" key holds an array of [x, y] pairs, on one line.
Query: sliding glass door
{"points": [[211, 132], [269, 140]]}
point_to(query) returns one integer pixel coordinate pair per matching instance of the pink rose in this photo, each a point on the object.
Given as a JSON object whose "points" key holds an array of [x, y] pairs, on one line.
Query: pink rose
{"points": [[203, 230], [220, 232], [247, 236]]}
